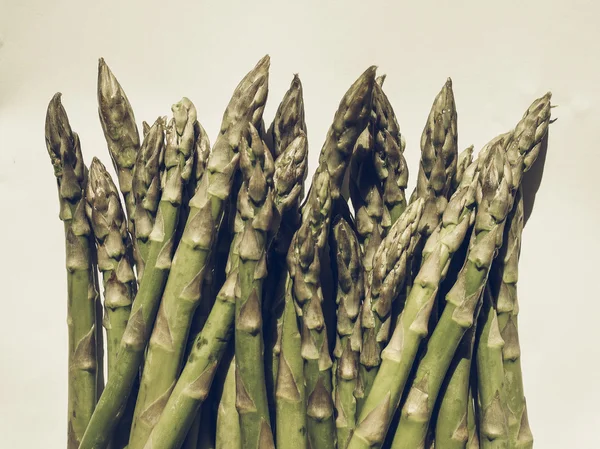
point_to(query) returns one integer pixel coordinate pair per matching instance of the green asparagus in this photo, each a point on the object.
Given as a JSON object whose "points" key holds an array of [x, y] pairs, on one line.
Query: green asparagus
{"points": [[462, 301], [306, 252], [147, 170], [345, 250], [120, 131], [71, 178]]}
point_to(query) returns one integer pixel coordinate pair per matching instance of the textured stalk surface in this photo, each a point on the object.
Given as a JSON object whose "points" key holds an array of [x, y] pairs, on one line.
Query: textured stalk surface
{"points": [[412, 326], [462, 302], [345, 250], [228, 424], [465, 158], [71, 178], [149, 165], [493, 423], [108, 221], [504, 278], [290, 146], [452, 425], [255, 214], [383, 287], [306, 253], [290, 395]]}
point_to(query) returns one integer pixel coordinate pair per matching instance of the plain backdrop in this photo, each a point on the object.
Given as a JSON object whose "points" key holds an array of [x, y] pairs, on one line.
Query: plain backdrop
{"points": [[501, 56]]}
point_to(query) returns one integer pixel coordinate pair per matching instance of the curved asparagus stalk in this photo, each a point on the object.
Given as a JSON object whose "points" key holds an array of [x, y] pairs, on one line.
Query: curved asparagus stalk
{"points": [[71, 178], [465, 158], [108, 221], [290, 390], [398, 356], [438, 158], [383, 287], [462, 301], [307, 248], [345, 250], [120, 131], [133, 344], [147, 170], [255, 207], [452, 426]]}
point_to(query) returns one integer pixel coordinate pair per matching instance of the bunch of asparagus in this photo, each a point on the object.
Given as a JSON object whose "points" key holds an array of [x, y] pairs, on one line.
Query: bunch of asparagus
{"points": [[224, 326]]}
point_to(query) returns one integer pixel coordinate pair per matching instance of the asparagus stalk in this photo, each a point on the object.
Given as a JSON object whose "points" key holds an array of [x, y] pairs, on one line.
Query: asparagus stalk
{"points": [[190, 262], [255, 207], [438, 158], [306, 252], [462, 301], [288, 126], [465, 158], [452, 425], [290, 390], [473, 439], [398, 356], [147, 170], [120, 131], [504, 280], [383, 287], [493, 423], [345, 250], [228, 423], [71, 178], [112, 403], [108, 221]]}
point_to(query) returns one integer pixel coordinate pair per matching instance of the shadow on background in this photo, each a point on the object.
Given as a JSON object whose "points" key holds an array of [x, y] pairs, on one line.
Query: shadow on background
{"points": [[533, 178]]}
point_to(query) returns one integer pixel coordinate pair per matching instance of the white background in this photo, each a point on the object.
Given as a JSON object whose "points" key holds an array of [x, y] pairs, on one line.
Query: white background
{"points": [[500, 58]]}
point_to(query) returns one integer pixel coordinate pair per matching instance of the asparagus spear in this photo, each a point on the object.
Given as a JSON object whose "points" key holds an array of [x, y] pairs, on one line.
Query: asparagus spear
{"points": [[194, 382], [255, 207], [345, 250], [147, 170], [288, 126], [108, 221], [71, 178], [307, 248], [438, 158], [289, 118], [462, 301], [465, 158], [504, 280], [291, 391], [397, 358], [228, 423], [383, 286], [452, 426], [473, 439], [182, 292], [120, 131], [133, 344], [493, 422]]}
